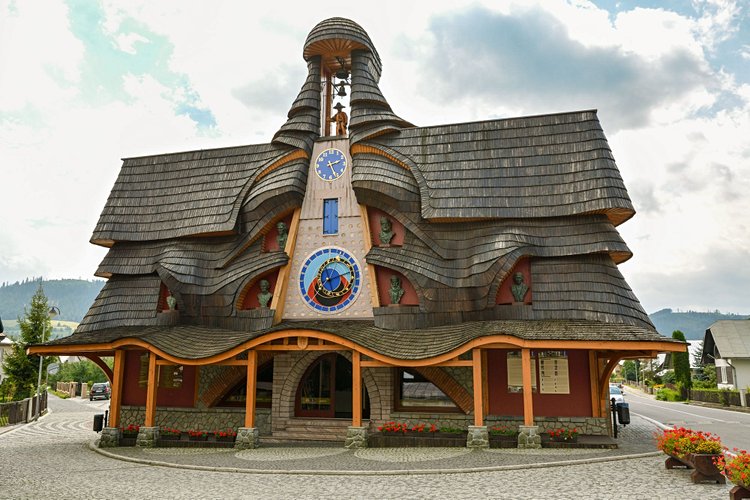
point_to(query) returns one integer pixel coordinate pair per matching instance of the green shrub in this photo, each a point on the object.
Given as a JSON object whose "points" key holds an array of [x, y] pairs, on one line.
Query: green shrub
{"points": [[668, 395]]}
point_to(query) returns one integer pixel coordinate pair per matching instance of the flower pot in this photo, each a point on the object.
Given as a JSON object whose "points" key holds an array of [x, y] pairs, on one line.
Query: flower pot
{"points": [[225, 439], [169, 437], [705, 468], [740, 490], [673, 461], [198, 438]]}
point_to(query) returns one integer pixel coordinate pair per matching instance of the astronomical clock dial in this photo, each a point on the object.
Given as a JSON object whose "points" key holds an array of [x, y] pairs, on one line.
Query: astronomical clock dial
{"points": [[329, 280], [330, 164]]}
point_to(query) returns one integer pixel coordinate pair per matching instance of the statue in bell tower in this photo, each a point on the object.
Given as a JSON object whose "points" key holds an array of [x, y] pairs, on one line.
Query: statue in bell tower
{"points": [[341, 119]]}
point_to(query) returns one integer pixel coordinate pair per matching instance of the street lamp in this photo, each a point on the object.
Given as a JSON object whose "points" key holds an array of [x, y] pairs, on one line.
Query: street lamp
{"points": [[53, 311]]}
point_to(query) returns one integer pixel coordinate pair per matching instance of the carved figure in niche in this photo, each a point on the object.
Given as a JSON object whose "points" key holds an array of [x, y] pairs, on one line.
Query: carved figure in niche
{"points": [[519, 288], [341, 119], [281, 236], [386, 231], [171, 301], [265, 294], [396, 292]]}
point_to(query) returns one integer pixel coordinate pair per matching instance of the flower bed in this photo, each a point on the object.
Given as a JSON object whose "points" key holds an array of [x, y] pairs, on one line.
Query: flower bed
{"points": [[404, 435], [502, 436], [169, 434], [194, 435], [225, 436]]}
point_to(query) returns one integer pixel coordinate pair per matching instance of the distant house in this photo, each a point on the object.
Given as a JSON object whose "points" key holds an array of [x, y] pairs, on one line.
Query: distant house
{"points": [[5, 346], [727, 345]]}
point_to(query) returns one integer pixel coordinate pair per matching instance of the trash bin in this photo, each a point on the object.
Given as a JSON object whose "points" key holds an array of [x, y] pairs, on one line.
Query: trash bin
{"points": [[623, 413], [98, 422]]}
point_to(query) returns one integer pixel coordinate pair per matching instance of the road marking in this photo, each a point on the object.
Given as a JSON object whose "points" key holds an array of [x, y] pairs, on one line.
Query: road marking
{"points": [[691, 414]]}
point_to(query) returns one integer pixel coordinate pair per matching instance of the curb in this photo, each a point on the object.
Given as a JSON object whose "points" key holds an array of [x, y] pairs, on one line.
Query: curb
{"points": [[391, 472]]}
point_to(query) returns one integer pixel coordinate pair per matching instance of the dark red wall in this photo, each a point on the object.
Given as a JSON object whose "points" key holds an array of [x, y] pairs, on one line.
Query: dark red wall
{"points": [[133, 394], [575, 404], [383, 277]]}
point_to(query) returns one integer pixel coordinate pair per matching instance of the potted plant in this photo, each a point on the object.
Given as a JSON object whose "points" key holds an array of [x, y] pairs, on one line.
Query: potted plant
{"points": [[736, 467], [563, 435], [196, 435], [169, 434], [131, 431], [694, 450], [503, 436], [704, 456], [225, 436]]}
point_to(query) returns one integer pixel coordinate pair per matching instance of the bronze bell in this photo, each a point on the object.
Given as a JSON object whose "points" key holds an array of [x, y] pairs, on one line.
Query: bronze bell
{"points": [[341, 90], [342, 74]]}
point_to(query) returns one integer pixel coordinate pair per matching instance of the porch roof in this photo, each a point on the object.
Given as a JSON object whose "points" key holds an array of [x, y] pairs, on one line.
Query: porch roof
{"points": [[200, 342]]}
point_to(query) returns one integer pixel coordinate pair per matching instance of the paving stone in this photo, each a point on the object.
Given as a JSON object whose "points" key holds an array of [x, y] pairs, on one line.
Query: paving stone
{"points": [[51, 458]]}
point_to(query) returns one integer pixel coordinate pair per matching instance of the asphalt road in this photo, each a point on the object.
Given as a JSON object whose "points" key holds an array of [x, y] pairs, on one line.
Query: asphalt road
{"points": [[733, 427]]}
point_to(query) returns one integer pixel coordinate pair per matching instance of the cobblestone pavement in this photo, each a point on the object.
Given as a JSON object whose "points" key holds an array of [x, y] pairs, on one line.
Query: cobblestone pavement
{"points": [[51, 458]]}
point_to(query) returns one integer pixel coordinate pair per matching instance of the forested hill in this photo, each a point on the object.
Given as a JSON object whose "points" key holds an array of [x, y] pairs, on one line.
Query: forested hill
{"points": [[693, 324], [73, 297]]}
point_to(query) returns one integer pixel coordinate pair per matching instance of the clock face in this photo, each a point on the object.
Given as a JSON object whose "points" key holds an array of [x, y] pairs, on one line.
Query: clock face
{"points": [[330, 164], [329, 280]]}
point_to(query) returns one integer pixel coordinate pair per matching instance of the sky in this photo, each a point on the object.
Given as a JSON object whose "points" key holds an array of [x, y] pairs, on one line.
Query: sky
{"points": [[84, 83]]}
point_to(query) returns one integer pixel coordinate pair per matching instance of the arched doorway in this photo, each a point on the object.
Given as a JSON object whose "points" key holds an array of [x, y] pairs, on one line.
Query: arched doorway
{"points": [[325, 389]]}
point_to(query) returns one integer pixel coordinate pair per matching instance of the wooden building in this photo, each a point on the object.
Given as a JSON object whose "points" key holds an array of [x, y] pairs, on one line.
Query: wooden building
{"points": [[360, 269]]}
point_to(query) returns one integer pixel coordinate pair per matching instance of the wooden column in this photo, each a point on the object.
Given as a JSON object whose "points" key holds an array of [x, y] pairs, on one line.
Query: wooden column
{"points": [[356, 389], [151, 391], [528, 402], [476, 369], [252, 364], [115, 402], [594, 383]]}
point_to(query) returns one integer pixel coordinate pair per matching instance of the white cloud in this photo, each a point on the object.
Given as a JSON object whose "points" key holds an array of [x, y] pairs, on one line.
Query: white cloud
{"points": [[675, 122]]}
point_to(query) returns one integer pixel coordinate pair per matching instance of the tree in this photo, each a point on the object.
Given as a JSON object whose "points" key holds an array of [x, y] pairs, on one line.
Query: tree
{"points": [[697, 354], [21, 368], [681, 362], [79, 371], [628, 370]]}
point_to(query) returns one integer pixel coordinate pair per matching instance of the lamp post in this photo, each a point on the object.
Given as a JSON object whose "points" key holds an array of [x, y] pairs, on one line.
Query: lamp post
{"points": [[53, 311]]}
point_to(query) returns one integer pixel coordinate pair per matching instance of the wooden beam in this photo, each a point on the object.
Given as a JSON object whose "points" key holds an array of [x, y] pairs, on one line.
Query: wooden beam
{"points": [[310, 347], [485, 385], [98, 361], [490, 340], [604, 383], [151, 391], [252, 362], [279, 293], [356, 390], [594, 384], [115, 401], [476, 357], [528, 401]]}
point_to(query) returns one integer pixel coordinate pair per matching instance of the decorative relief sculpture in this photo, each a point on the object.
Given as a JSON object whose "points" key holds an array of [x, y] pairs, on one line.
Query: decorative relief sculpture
{"points": [[265, 294], [386, 231], [396, 292], [281, 236], [519, 288], [171, 301]]}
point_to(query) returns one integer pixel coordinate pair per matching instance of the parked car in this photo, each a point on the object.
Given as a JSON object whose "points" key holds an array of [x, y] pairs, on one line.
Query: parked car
{"points": [[100, 390], [616, 393]]}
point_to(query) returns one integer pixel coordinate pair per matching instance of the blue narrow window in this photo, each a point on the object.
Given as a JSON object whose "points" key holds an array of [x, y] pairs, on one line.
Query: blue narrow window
{"points": [[331, 216]]}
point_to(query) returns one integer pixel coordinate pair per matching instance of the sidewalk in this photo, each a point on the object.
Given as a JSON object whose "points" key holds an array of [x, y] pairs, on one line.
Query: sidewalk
{"points": [[635, 441]]}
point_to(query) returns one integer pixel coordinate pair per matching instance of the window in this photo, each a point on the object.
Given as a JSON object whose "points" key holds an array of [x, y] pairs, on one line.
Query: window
{"points": [[414, 392], [331, 216]]}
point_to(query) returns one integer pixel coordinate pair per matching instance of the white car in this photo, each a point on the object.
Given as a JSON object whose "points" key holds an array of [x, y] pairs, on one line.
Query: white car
{"points": [[616, 394]]}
